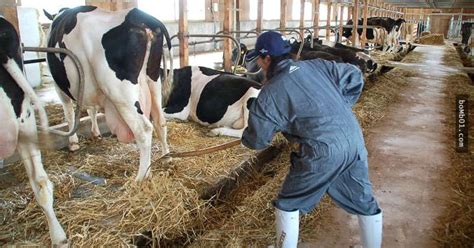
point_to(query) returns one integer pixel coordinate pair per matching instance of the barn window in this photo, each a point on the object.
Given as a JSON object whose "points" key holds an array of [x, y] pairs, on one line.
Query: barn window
{"points": [[271, 11], [168, 10], [307, 10], [52, 6]]}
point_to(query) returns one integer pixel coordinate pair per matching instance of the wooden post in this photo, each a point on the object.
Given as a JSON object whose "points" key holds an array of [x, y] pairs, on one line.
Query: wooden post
{"points": [[341, 21], [182, 34], [364, 28], [283, 14], [9, 10], [259, 16], [227, 42], [350, 10], [302, 17], [237, 14], [355, 22], [315, 19], [328, 21]]}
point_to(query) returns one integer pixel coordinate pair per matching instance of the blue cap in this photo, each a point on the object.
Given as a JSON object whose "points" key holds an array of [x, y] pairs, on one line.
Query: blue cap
{"points": [[270, 43]]}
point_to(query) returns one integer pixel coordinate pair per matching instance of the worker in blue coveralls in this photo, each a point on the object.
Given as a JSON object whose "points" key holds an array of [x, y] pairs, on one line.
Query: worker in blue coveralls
{"points": [[310, 102]]}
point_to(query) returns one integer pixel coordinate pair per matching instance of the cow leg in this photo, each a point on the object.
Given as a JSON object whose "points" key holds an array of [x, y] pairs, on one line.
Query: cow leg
{"points": [[158, 115], [95, 132], [226, 131], [41, 185], [142, 130], [69, 115]]}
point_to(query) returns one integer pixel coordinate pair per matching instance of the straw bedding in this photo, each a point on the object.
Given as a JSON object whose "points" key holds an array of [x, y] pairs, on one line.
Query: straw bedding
{"points": [[456, 226], [431, 39], [168, 204]]}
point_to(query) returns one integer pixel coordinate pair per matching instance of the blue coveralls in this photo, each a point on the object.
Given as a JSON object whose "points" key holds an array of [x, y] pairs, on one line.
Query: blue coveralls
{"points": [[310, 102]]}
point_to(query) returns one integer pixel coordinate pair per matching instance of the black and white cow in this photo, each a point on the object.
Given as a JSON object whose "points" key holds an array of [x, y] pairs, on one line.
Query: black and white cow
{"points": [[18, 130], [359, 59], [121, 54], [211, 98], [466, 29], [386, 34]]}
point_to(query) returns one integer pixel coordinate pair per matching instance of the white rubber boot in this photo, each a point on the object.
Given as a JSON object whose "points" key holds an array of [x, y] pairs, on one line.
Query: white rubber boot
{"points": [[371, 230], [287, 228]]}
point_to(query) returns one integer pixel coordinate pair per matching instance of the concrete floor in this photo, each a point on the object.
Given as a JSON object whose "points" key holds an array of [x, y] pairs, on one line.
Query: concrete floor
{"points": [[408, 150]]}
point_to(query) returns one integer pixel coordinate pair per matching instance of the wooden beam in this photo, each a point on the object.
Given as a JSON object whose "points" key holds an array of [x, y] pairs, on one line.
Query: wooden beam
{"points": [[316, 18], [328, 21], [9, 10], [341, 21], [182, 34], [227, 28], [350, 10], [364, 28], [302, 16], [283, 16], [259, 16], [355, 22]]}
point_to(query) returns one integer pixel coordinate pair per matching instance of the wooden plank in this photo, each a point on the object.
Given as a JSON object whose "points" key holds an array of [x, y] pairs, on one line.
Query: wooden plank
{"points": [[227, 28], [8, 8], [355, 18], [302, 16], [316, 18], [350, 10], [364, 27], [341, 21], [182, 33], [283, 16], [328, 21], [259, 16]]}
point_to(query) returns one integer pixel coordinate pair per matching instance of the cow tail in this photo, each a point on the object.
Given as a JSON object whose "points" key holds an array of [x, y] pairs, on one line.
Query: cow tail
{"points": [[156, 25], [168, 78], [14, 70]]}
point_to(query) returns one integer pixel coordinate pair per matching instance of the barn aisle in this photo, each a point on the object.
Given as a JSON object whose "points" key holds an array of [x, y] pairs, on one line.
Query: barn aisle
{"points": [[408, 152]]}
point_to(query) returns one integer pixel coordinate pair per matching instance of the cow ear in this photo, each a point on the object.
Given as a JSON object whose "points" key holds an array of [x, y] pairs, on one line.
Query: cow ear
{"points": [[50, 17]]}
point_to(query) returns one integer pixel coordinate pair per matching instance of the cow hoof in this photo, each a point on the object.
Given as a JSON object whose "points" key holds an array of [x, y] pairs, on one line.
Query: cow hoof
{"points": [[73, 147], [213, 133], [95, 138]]}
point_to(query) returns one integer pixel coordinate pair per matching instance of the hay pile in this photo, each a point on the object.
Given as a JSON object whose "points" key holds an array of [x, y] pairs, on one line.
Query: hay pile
{"points": [[456, 225], [168, 204], [252, 221], [425, 33], [431, 39], [56, 114]]}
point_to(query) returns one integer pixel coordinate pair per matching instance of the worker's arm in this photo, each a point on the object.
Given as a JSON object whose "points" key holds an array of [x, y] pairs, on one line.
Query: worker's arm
{"points": [[350, 81], [262, 125]]}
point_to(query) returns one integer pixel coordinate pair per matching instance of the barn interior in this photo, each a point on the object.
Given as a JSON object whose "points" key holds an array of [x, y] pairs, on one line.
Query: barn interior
{"points": [[420, 147]]}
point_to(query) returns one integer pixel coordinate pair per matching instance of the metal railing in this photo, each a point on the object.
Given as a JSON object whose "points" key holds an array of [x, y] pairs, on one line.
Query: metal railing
{"points": [[237, 44], [80, 90]]}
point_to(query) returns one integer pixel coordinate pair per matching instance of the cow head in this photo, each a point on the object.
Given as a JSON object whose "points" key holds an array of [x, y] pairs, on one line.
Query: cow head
{"points": [[370, 64], [347, 32], [399, 23]]}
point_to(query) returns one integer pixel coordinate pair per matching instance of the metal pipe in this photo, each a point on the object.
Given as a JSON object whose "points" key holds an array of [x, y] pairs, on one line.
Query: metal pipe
{"points": [[32, 61], [80, 90], [237, 44]]}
